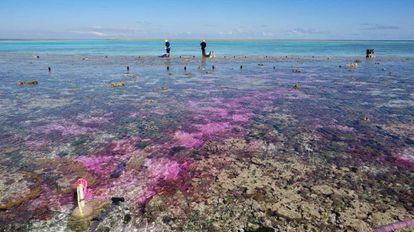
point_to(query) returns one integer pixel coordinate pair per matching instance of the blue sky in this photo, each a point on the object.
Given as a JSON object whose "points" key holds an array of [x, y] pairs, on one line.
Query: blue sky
{"points": [[266, 19]]}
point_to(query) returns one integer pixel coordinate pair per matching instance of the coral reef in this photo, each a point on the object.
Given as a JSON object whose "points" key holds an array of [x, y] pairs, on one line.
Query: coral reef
{"points": [[223, 150], [63, 128], [17, 188], [278, 192]]}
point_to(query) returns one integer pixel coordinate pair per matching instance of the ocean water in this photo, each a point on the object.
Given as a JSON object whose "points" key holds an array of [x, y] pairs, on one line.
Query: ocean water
{"points": [[249, 143], [221, 47]]}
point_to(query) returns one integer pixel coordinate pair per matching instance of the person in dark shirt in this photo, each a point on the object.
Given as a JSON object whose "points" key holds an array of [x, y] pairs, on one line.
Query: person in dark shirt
{"points": [[203, 48], [167, 48], [203, 45]]}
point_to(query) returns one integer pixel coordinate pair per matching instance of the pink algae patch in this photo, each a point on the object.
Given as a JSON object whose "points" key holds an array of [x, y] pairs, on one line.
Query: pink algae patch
{"points": [[406, 155], [158, 171], [214, 128], [103, 165], [240, 117], [163, 169], [146, 196], [187, 140], [96, 164]]}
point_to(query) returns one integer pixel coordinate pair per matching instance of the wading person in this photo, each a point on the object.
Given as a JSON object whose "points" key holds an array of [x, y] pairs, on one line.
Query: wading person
{"points": [[203, 45], [203, 48], [167, 48]]}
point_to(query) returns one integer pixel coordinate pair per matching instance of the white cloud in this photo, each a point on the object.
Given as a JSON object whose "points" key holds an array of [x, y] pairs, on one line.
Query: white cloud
{"points": [[97, 33], [304, 31], [100, 31], [377, 27]]}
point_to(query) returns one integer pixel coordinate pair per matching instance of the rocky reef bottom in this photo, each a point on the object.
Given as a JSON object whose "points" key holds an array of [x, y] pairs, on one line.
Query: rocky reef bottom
{"points": [[270, 190], [281, 144], [255, 186]]}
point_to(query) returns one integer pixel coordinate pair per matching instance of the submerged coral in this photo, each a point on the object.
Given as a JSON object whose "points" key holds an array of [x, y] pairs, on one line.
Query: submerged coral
{"points": [[64, 128], [219, 151], [187, 139], [17, 188]]}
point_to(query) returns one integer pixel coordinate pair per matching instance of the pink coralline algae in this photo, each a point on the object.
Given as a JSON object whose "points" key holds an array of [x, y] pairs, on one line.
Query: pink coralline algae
{"points": [[405, 157], [396, 226], [220, 109], [214, 128], [240, 117], [159, 171], [96, 164], [196, 139], [146, 196], [125, 145], [102, 165], [187, 140], [65, 128], [218, 115], [163, 169]]}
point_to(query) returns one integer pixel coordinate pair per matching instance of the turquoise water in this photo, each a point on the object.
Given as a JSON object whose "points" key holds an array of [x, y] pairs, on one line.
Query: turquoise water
{"points": [[221, 47], [173, 141], [300, 142]]}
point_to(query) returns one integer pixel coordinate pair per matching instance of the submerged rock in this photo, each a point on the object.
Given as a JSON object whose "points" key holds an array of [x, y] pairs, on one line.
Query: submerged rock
{"points": [[118, 84], [323, 189], [80, 220], [17, 188]]}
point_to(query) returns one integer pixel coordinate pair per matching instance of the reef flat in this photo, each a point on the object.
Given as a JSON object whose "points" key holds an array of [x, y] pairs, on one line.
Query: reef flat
{"points": [[226, 144]]}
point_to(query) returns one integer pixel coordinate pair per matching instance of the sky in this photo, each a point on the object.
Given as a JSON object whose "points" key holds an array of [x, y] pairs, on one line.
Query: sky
{"points": [[209, 19]]}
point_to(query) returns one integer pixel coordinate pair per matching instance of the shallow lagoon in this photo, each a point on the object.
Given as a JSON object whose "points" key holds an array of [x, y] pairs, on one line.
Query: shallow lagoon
{"points": [[206, 149]]}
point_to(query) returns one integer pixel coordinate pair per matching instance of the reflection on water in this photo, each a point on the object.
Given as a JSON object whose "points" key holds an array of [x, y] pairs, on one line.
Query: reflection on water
{"points": [[207, 149]]}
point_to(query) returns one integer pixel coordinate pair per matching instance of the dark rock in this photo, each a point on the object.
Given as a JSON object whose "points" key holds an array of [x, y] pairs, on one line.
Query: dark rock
{"points": [[261, 229], [117, 200], [118, 171]]}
